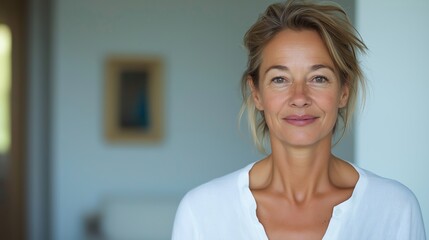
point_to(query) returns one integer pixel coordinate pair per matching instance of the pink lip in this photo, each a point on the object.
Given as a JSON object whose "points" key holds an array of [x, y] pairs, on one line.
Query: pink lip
{"points": [[300, 120]]}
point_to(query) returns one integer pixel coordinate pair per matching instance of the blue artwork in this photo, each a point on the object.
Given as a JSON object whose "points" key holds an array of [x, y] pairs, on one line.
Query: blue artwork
{"points": [[134, 100]]}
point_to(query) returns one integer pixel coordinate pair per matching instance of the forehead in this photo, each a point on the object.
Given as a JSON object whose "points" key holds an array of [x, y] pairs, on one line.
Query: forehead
{"points": [[296, 47]]}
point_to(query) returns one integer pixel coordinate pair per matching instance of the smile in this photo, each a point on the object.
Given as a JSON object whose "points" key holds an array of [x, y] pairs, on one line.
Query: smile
{"points": [[300, 120]]}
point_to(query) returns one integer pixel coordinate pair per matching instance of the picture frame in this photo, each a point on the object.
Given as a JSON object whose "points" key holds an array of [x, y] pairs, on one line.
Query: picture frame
{"points": [[134, 99]]}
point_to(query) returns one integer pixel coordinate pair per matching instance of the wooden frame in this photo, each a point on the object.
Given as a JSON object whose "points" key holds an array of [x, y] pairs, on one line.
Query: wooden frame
{"points": [[133, 99]]}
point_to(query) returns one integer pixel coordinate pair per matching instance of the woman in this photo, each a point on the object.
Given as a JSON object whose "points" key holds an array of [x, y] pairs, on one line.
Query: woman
{"points": [[302, 79]]}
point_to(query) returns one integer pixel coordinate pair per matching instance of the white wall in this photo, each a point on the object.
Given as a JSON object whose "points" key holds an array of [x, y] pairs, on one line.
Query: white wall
{"points": [[393, 131]]}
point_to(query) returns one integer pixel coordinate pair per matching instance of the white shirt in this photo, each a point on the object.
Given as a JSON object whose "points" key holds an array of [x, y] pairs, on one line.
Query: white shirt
{"points": [[225, 208]]}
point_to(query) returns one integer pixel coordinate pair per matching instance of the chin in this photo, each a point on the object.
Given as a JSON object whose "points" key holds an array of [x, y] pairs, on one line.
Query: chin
{"points": [[301, 140]]}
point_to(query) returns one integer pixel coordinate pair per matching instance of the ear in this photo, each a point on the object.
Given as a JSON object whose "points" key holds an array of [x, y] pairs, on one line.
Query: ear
{"points": [[344, 97], [255, 94]]}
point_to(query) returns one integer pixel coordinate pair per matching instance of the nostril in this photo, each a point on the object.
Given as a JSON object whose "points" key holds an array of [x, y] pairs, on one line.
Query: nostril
{"points": [[300, 102]]}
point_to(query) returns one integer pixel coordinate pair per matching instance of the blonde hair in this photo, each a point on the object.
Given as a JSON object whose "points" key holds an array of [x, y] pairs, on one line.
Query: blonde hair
{"points": [[330, 21]]}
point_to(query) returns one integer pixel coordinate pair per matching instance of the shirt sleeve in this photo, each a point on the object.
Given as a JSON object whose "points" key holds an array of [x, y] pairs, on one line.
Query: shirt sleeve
{"points": [[184, 223], [412, 226]]}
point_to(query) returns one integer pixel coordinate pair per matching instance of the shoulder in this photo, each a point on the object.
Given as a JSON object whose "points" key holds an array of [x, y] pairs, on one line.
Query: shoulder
{"points": [[387, 191], [388, 206], [218, 189], [216, 209], [220, 194], [211, 203]]}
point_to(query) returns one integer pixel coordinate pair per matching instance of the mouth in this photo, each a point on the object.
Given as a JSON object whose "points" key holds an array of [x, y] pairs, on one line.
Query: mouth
{"points": [[300, 120]]}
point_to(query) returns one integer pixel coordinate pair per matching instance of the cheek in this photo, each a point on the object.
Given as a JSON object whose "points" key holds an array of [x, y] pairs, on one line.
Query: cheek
{"points": [[329, 102], [272, 102], [335, 98], [333, 104]]}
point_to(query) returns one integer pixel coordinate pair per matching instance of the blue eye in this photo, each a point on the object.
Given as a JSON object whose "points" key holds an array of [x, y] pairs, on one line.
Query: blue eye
{"points": [[278, 80], [320, 79]]}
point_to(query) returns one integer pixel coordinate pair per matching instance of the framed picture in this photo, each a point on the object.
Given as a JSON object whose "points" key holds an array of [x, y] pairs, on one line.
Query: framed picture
{"points": [[134, 99]]}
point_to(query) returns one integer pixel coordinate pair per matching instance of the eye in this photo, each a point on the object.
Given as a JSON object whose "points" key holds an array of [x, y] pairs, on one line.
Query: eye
{"points": [[278, 80], [320, 79]]}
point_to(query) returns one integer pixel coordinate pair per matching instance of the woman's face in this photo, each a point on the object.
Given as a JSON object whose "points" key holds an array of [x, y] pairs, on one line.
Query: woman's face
{"points": [[299, 89]]}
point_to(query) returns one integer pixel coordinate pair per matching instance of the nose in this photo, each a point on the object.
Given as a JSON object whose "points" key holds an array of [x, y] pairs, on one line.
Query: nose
{"points": [[299, 96]]}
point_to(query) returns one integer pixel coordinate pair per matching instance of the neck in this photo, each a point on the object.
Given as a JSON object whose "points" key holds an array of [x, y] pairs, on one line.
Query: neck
{"points": [[300, 172]]}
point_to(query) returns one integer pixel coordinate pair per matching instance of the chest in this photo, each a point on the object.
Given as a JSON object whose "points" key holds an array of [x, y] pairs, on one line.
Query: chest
{"points": [[284, 220], [287, 223]]}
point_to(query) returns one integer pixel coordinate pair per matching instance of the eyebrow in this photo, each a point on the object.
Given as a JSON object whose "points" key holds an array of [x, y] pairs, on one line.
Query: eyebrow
{"points": [[319, 66], [312, 68], [279, 67]]}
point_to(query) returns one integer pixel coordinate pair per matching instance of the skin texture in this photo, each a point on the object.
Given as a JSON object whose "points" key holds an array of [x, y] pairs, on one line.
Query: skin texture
{"points": [[299, 183]]}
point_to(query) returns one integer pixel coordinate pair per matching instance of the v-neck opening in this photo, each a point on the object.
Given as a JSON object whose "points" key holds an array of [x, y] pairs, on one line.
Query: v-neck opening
{"points": [[338, 210]]}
